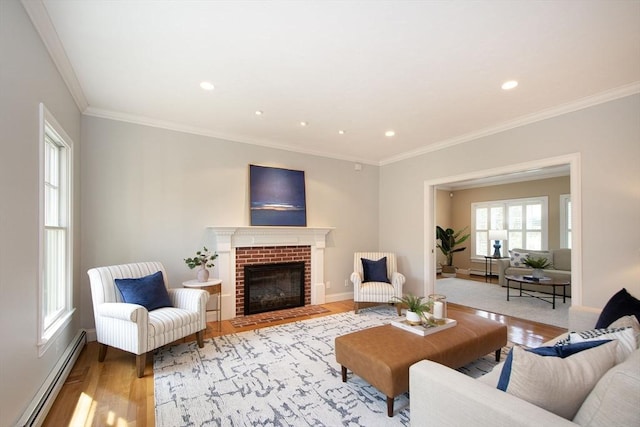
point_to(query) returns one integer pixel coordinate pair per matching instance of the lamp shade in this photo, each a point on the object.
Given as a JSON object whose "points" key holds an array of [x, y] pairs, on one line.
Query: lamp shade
{"points": [[497, 234]]}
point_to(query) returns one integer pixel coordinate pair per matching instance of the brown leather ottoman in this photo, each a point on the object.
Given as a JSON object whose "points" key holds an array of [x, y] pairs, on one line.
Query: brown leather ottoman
{"points": [[382, 355]]}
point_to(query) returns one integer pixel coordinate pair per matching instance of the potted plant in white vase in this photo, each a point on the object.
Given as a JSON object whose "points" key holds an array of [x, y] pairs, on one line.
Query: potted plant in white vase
{"points": [[203, 259], [416, 308], [538, 264]]}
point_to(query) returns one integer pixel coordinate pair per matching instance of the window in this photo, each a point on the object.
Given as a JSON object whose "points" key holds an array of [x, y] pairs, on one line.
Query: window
{"points": [[55, 303], [524, 219], [565, 221]]}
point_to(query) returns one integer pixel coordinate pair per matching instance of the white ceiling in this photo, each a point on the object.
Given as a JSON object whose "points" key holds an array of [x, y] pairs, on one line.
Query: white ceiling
{"points": [[430, 70]]}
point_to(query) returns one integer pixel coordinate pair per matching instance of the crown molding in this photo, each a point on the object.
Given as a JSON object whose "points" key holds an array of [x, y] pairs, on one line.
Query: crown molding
{"points": [[39, 16], [589, 101], [165, 124]]}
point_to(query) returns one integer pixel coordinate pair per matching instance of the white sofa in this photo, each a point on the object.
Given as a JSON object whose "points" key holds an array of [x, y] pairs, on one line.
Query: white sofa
{"points": [[560, 268], [441, 396]]}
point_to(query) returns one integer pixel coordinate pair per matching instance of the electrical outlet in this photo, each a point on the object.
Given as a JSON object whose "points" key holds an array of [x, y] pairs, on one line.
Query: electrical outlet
{"points": [[328, 285], [346, 283]]}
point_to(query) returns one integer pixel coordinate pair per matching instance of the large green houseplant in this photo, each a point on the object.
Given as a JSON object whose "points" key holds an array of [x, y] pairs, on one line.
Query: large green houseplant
{"points": [[449, 245]]}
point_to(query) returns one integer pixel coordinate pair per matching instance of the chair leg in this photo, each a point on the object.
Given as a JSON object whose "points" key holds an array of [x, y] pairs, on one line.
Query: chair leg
{"points": [[200, 338], [141, 361], [399, 309], [356, 307], [102, 352]]}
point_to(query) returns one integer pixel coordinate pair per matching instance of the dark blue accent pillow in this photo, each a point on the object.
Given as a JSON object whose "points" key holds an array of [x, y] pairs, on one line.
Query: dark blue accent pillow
{"points": [[375, 271], [621, 304], [561, 351], [148, 291]]}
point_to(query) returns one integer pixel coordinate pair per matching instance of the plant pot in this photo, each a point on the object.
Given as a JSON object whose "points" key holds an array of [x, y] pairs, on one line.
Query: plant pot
{"points": [[203, 274], [538, 273], [448, 271], [413, 317]]}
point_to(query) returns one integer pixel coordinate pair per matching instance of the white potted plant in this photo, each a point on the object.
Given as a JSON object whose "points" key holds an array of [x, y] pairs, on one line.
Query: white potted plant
{"points": [[203, 259], [416, 308]]}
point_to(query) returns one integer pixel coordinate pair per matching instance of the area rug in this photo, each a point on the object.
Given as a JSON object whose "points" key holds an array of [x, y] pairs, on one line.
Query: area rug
{"points": [[282, 375], [493, 297]]}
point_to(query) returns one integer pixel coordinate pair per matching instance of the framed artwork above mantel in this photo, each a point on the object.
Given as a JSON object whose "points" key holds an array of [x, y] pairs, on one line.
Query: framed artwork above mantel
{"points": [[277, 197]]}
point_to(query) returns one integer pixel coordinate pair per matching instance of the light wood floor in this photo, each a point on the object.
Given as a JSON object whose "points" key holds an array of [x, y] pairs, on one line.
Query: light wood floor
{"points": [[110, 394]]}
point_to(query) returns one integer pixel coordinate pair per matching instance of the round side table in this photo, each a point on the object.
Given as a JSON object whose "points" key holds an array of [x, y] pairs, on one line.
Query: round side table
{"points": [[214, 287]]}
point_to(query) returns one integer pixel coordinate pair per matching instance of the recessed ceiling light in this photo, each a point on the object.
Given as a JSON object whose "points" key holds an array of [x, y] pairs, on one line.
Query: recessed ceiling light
{"points": [[207, 86], [389, 133], [303, 123], [508, 85], [259, 112], [341, 132]]}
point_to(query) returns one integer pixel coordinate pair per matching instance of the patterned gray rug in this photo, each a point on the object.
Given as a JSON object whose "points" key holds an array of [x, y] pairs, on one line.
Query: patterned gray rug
{"points": [[283, 375]]}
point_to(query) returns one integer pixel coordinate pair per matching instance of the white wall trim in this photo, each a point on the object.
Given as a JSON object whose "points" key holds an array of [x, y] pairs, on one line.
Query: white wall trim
{"points": [[575, 177]]}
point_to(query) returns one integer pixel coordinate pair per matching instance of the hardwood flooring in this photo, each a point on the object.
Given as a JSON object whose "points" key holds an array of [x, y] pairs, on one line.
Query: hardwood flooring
{"points": [[110, 394]]}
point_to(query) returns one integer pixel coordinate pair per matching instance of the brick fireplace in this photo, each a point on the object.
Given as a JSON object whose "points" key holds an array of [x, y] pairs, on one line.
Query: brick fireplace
{"points": [[261, 255], [237, 246]]}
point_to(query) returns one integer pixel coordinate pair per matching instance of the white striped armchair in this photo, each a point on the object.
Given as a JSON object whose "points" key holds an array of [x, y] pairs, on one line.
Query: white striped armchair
{"points": [[131, 327], [367, 293]]}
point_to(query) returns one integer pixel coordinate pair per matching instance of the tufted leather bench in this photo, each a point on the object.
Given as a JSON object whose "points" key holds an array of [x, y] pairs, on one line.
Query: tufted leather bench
{"points": [[382, 355]]}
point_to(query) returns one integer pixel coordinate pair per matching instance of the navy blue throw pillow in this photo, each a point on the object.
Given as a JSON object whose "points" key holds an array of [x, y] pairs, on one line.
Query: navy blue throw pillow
{"points": [[148, 291], [375, 271], [621, 304], [561, 351]]}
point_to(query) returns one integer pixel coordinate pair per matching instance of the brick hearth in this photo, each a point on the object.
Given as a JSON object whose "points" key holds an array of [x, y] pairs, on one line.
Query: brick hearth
{"points": [[267, 255]]}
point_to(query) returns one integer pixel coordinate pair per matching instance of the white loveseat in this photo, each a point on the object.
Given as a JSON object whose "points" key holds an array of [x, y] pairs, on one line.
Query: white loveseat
{"points": [[441, 396]]}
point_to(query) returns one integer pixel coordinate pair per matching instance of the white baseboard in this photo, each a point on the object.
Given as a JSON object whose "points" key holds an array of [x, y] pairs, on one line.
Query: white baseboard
{"points": [[92, 335], [43, 400], [338, 297]]}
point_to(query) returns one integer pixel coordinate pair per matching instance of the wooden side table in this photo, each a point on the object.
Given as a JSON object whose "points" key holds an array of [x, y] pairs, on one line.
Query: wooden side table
{"points": [[214, 287]]}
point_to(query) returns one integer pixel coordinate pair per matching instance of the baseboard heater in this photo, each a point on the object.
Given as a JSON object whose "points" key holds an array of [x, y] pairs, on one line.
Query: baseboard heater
{"points": [[44, 398]]}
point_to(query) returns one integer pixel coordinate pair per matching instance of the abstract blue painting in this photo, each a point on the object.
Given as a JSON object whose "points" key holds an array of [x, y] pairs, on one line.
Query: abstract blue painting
{"points": [[277, 196]]}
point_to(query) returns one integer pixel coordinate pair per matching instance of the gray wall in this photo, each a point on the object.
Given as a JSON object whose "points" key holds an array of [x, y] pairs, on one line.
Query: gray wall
{"points": [[27, 77], [149, 194], [607, 138]]}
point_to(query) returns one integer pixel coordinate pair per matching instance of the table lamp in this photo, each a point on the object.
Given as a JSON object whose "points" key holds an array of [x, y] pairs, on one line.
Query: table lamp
{"points": [[497, 235]]}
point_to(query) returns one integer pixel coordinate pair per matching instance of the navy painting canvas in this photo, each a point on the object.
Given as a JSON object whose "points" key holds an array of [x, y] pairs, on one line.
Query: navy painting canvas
{"points": [[277, 196]]}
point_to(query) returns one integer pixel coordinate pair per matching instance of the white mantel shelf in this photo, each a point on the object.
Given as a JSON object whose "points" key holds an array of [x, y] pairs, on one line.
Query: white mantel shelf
{"points": [[241, 236], [227, 239]]}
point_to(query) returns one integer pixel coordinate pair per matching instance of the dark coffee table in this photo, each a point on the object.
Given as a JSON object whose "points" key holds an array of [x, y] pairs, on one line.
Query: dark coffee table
{"points": [[546, 281]]}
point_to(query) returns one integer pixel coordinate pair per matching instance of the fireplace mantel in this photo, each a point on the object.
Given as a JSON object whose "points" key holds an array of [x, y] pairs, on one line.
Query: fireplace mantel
{"points": [[226, 239]]}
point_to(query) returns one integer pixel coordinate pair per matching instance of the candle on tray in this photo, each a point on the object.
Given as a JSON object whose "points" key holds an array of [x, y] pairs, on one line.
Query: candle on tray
{"points": [[437, 310]]}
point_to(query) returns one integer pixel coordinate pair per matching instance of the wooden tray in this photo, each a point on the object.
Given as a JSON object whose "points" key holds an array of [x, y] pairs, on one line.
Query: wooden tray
{"points": [[421, 330]]}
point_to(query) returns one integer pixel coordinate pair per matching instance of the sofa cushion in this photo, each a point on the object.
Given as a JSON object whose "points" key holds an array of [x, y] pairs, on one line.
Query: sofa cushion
{"points": [[627, 339], [621, 304], [516, 258], [557, 384], [562, 259], [375, 271], [614, 399], [148, 291]]}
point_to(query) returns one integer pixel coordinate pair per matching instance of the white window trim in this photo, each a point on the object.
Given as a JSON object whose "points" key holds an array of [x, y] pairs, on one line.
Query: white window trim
{"points": [[564, 226], [492, 203], [47, 336]]}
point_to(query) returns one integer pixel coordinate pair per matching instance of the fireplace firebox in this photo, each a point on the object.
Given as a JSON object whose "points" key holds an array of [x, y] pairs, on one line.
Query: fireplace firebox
{"points": [[274, 286]]}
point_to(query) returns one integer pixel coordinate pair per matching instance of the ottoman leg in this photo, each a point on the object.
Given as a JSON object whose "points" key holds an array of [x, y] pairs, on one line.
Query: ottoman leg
{"points": [[389, 406], [498, 354], [344, 374]]}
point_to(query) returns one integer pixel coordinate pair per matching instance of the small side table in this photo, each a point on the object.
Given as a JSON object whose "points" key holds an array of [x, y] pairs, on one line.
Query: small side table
{"points": [[214, 287], [487, 261]]}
